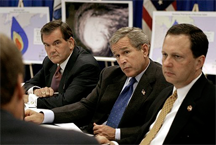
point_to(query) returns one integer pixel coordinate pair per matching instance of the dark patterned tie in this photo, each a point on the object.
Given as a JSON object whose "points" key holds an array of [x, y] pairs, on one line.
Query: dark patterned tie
{"points": [[165, 110], [120, 105], [56, 79]]}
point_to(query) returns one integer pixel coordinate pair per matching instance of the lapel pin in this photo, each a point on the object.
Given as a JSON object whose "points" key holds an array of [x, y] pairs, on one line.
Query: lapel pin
{"points": [[143, 92], [189, 108]]}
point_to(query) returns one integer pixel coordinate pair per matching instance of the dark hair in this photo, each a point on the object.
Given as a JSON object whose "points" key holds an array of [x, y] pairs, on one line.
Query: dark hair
{"points": [[199, 41], [53, 25], [11, 66]]}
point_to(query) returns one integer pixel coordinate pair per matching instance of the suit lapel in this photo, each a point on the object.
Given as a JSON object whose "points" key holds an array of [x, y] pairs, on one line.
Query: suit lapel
{"points": [[144, 87], [142, 91], [51, 73], [153, 111], [113, 90], [183, 114], [68, 69]]}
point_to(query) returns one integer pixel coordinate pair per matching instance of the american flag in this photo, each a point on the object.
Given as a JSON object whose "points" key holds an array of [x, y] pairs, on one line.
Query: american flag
{"points": [[154, 5], [57, 10]]}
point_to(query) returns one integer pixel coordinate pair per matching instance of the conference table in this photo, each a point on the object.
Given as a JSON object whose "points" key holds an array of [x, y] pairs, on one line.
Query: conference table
{"points": [[67, 126]]}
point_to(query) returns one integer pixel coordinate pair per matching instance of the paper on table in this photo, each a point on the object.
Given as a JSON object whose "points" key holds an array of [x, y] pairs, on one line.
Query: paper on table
{"points": [[67, 126]]}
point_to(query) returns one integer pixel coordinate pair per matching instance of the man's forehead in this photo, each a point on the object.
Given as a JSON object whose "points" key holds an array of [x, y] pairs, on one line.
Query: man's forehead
{"points": [[120, 49]]}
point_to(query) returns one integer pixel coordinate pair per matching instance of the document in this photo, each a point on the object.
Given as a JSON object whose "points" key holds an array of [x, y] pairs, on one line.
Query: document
{"points": [[67, 126]]}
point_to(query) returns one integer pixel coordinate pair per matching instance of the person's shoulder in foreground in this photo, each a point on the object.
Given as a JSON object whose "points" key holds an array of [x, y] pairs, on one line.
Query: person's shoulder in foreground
{"points": [[13, 129]]}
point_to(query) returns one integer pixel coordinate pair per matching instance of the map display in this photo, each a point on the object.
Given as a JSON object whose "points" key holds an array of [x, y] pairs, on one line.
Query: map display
{"points": [[94, 22], [206, 21], [23, 26]]}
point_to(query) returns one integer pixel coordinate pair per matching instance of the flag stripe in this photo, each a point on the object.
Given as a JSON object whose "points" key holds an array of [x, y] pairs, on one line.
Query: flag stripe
{"points": [[149, 7], [171, 7], [146, 29], [153, 5], [147, 18]]}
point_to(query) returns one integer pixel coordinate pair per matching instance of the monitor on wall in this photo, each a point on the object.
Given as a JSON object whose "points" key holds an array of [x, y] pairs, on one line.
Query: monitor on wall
{"points": [[94, 22]]}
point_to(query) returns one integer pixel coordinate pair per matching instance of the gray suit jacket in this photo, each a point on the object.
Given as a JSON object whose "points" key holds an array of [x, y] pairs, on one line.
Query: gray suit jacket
{"points": [[98, 104], [14, 131], [79, 78]]}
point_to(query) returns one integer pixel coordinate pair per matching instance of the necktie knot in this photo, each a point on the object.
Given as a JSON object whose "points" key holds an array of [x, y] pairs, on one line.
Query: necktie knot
{"points": [[132, 81], [174, 95], [58, 72], [58, 69]]}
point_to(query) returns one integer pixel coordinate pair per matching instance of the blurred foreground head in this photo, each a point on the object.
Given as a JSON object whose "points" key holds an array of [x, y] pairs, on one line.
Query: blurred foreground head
{"points": [[11, 76]]}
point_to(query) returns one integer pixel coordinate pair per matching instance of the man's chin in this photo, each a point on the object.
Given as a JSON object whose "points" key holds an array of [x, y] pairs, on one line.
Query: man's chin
{"points": [[129, 74], [55, 61]]}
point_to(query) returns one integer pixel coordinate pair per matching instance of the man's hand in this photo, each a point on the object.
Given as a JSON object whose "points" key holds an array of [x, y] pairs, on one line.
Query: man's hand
{"points": [[105, 131], [103, 140], [25, 98], [33, 116], [44, 92]]}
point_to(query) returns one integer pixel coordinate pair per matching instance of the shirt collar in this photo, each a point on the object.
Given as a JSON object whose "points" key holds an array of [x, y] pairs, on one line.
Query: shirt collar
{"points": [[182, 92], [63, 64]]}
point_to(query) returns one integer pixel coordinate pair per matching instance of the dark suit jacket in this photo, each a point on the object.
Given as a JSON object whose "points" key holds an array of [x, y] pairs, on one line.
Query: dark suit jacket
{"points": [[189, 127], [98, 104], [15, 131], [79, 78]]}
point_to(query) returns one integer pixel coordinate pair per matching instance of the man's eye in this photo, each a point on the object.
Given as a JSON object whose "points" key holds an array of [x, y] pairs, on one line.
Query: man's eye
{"points": [[164, 54], [56, 43], [177, 56], [126, 52], [116, 56], [46, 45]]}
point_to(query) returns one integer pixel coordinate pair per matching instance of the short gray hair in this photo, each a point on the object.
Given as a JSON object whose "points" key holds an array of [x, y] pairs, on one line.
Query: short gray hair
{"points": [[136, 36]]}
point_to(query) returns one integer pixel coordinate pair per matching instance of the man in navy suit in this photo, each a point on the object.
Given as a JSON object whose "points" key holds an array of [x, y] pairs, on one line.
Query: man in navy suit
{"points": [[192, 116], [13, 129], [79, 69]]}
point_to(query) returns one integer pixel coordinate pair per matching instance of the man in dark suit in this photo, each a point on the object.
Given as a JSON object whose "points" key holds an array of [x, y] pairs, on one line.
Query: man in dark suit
{"points": [[79, 69], [130, 46], [13, 129], [191, 119]]}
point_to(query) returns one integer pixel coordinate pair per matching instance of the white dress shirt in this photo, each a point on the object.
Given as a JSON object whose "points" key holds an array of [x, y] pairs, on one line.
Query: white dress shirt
{"points": [[49, 113], [162, 133]]}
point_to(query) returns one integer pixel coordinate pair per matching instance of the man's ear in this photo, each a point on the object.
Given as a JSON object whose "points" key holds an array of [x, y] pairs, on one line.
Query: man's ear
{"points": [[71, 42], [200, 62], [20, 89], [145, 49]]}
